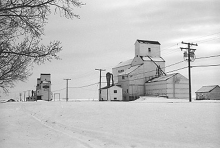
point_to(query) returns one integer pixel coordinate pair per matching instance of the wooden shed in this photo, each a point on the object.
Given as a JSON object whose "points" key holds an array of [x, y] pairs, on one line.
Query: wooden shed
{"points": [[111, 93], [170, 86], [208, 93]]}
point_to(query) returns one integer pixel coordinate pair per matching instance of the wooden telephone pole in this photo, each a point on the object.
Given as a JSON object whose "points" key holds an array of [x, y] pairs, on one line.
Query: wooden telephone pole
{"points": [[100, 81], [190, 56], [67, 89]]}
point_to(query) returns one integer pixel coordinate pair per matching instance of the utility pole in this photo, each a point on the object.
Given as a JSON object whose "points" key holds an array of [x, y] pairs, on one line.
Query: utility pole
{"points": [[67, 89], [20, 96], [190, 54], [24, 95], [100, 81]]}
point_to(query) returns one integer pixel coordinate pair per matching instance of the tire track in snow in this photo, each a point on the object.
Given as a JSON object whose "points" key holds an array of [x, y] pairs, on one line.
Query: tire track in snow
{"points": [[94, 138], [91, 138], [44, 123], [95, 143]]}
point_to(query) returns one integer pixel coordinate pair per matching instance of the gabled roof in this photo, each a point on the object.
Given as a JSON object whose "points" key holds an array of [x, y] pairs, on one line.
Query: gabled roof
{"points": [[109, 86], [124, 63], [205, 89], [148, 42], [161, 78]]}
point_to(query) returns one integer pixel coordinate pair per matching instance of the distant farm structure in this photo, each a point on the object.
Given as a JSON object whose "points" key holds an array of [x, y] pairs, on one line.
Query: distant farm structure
{"points": [[208, 93], [43, 89]]}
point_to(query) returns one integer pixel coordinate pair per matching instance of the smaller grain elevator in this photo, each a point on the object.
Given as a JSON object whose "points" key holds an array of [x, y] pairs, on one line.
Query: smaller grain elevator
{"points": [[43, 88]]}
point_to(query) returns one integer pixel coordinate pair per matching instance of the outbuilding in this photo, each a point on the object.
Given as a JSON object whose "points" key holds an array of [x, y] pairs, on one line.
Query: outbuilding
{"points": [[171, 86], [111, 93], [208, 93]]}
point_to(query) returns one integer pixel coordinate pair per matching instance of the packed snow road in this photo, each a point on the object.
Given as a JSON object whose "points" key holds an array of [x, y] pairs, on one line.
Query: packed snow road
{"points": [[109, 124]]}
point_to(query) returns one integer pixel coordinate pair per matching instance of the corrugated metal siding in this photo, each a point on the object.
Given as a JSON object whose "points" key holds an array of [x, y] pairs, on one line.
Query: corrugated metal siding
{"points": [[156, 89], [174, 87]]}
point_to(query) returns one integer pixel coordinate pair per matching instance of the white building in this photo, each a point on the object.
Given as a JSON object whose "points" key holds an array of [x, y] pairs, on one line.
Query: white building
{"points": [[147, 64], [43, 88], [132, 74], [112, 93]]}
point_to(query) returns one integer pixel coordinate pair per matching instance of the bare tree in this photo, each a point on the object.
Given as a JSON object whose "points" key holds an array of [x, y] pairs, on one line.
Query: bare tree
{"points": [[21, 28]]}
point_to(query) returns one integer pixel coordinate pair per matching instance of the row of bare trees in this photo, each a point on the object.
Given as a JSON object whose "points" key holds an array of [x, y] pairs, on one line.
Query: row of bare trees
{"points": [[21, 29]]}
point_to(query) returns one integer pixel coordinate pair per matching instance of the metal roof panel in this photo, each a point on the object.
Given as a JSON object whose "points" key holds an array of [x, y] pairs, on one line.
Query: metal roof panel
{"points": [[206, 89], [124, 63]]}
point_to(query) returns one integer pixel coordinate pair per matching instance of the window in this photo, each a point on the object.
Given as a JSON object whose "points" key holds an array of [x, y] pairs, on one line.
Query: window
{"points": [[127, 90], [115, 91], [123, 77], [119, 71], [149, 50], [46, 86]]}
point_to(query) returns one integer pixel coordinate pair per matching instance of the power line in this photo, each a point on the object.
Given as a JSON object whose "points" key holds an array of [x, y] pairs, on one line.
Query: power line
{"points": [[156, 70], [149, 71], [207, 40], [76, 87], [177, 69], [145, 77], [206, 65], [171, 51], [169, 47], [174, 64], [146, 72], [58, 90], [208, 57], [85, 85], [196, 39], [100, 81]]}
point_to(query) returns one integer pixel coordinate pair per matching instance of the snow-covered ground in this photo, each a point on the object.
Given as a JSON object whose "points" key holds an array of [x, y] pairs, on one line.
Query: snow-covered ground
{"points": [[147, 122]]}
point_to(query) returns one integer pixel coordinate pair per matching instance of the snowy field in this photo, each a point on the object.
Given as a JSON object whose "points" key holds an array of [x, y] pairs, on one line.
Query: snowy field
{"points": [[145, 123]]}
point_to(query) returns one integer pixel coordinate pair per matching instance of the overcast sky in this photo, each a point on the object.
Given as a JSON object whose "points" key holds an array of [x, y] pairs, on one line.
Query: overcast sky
{"points": [[107, 30]]}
